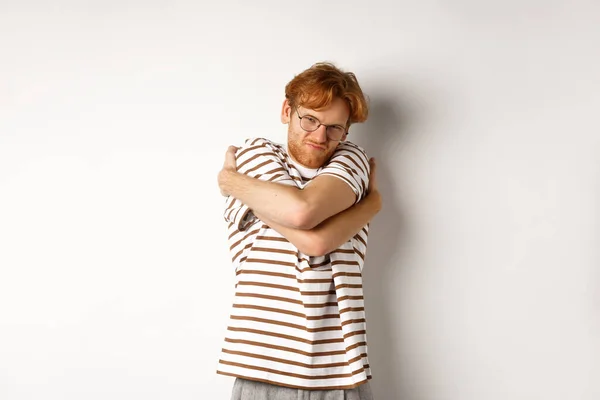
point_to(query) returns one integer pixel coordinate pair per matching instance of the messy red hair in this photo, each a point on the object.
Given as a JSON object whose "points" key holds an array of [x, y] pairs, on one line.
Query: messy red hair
{"points": [[317, 86]]}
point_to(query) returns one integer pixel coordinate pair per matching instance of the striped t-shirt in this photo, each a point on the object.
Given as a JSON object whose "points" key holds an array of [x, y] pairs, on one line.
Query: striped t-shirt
{"points": [[296, 321]]}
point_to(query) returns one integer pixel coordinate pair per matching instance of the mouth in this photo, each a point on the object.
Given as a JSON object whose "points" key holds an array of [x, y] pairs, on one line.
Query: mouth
{"points": [[315, 146]]}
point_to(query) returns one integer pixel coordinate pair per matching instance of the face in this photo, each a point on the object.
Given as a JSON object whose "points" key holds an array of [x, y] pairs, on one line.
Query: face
{"points": [[313, 149]]}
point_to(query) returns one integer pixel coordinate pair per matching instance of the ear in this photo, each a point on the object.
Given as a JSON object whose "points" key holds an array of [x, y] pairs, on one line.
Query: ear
{"points": [[286, 112]]}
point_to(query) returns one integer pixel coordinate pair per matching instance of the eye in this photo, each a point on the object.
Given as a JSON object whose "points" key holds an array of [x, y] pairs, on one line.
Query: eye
{"points": [[338, 129], [311, 119]]}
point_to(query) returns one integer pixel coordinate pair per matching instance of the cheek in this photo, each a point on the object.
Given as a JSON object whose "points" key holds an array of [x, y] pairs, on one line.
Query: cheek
{"points": [[330, 152], [293, 131], [332, 148], [300, 136]]}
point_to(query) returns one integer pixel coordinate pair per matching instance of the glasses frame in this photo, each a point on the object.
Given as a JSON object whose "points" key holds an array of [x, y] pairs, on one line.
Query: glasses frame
{"points": [[319, 125]]}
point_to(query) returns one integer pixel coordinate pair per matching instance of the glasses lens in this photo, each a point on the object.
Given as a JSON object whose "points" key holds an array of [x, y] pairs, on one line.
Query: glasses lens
{"points": [[309, 123], [335, 132]]}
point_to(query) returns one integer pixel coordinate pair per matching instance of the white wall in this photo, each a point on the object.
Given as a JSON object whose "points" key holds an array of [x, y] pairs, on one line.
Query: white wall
{"points": [[482, 279]]}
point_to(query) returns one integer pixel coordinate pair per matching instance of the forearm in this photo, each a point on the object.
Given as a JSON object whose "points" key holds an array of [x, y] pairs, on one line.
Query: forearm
{"points": [[278, 203], [337, 230], [333, 232]]}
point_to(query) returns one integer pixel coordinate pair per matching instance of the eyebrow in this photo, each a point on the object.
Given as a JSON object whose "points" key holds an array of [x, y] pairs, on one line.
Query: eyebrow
{"points": [[342, 125]]}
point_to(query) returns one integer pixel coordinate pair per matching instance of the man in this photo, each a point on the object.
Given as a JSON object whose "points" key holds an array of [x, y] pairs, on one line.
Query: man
{"points": [[298, 221]]}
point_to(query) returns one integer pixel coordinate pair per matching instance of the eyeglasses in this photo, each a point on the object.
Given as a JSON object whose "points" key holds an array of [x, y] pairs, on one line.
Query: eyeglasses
{"points": [[311, 124]]}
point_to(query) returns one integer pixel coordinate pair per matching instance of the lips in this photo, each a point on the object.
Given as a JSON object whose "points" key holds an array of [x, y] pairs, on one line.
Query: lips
{"points": [[315, 146]]}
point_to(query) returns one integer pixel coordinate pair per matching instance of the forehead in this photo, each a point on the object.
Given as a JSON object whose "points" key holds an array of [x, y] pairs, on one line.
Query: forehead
{"points": [[335, 113]]}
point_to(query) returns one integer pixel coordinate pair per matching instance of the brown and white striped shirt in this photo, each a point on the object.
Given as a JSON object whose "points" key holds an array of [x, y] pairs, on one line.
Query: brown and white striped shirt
{"points": [[296, 321]]}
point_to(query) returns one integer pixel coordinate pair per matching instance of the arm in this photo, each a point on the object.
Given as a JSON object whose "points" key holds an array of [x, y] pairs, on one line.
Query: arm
{"points": [[257, 161], [336, 188], [333, 232], [279, 203]]}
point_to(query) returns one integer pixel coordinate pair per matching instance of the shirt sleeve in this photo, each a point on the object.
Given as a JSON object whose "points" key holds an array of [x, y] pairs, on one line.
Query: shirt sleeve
{"points": [[260, 159], [350, 163]]}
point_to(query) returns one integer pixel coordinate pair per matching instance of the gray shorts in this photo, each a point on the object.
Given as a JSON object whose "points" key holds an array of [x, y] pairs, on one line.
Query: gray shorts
{"points": [[252, 390]]}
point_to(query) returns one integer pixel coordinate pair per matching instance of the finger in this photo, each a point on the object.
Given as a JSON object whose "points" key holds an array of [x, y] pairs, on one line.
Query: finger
{"points": [[230, 156], [372, 174], [231, 153]]}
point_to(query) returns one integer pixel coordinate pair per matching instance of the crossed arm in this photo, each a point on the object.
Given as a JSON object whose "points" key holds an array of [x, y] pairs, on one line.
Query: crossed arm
{"points": [[317, 219]]}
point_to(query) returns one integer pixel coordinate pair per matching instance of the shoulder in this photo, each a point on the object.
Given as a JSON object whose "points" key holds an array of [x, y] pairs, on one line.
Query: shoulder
{"points": [[260, 146], [259, 152], [351, 152], [256, 142], [350, 147]]}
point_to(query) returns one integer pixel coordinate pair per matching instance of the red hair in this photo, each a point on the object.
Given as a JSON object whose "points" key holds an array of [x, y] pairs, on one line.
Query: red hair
{"points": [[317, 86]]}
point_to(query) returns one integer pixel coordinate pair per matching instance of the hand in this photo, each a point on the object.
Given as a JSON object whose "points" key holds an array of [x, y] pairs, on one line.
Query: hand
{"points": [[230, 161], [373, 191], [372, 176], [229, 165]]}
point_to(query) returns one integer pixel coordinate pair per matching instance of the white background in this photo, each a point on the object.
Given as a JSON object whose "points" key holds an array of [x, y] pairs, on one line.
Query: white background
{"points": [[482, 279]]}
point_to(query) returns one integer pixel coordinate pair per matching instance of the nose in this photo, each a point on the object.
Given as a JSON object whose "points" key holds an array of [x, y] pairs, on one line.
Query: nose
{"points": [[320, 134]]}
